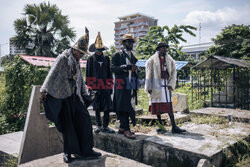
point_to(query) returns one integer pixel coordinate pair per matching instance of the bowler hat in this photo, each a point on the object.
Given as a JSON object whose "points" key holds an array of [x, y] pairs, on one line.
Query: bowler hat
{"points": [[128, 37], [161, 44]]}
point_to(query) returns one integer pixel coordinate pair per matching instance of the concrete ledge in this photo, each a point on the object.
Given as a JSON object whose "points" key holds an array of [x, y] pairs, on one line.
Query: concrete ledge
{"points": [[237, 114], [118, 144], [107, 160], [202, 141]]}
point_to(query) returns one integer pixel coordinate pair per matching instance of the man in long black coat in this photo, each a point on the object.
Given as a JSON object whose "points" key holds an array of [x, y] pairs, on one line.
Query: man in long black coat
{"points": [[125, 89], [99, 79], [63, 94]]}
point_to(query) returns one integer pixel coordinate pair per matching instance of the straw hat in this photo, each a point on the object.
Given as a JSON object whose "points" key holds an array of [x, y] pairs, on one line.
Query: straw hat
{"points": [[128, 37]]}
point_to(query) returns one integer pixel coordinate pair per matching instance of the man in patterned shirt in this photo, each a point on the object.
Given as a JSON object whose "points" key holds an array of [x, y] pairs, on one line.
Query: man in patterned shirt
{"points": [[64, 96]]}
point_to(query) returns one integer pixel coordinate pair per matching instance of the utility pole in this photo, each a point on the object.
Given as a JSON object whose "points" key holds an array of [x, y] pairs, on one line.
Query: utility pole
{"points": [[1, 52], [199, 34]]}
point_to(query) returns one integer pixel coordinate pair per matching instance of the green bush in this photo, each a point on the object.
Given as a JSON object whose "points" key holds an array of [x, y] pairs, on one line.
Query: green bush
{"points": [[19, 76]]}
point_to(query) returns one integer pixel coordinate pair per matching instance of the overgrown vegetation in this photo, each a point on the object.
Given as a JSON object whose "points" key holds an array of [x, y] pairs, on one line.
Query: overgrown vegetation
{"points": [[19, 78], [208, 119], [238, 155]]}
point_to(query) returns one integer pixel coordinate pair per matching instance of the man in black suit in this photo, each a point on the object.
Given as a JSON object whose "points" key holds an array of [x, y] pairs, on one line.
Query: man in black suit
{"points": [[126, 85]]}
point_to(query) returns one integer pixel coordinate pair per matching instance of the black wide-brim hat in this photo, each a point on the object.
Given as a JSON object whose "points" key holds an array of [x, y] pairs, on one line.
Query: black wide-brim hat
{"points": [[161, 44], [93, 49]]}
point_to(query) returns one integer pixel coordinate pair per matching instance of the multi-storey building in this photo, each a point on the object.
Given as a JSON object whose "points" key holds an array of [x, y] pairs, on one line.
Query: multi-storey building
{"points": [[137, 24], [14, 50]]}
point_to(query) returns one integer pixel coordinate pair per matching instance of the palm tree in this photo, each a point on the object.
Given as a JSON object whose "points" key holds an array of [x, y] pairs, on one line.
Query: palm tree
{"points": [[43, 30], [146, 45]]}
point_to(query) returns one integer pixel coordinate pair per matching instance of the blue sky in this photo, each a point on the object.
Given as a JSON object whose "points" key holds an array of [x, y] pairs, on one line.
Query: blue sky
{"points": [[100, 15]]}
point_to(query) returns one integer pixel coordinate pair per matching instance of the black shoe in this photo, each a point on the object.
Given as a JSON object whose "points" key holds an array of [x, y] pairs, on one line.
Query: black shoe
{"points": [[97, 129], [93, 154], [159, 130], [176, 129], [67, 158], [107, 130]]}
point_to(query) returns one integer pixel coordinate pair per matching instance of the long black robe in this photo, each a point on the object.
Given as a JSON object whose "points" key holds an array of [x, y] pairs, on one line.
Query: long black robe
{"points": [[71, 117], [123, 88], [94, 70]]}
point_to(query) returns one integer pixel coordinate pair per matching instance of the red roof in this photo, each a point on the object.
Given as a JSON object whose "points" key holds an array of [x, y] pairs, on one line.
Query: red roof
{"points": [[45, 61]]}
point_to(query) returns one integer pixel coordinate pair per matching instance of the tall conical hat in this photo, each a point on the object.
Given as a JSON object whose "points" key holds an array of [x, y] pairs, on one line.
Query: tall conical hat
{"points": [[82, 43], [98, 45], [98, 42]]}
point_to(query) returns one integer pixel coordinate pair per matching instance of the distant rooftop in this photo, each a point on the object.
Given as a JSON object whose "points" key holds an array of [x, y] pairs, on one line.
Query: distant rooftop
{"points": [[197, 47], [45, 61], [132, 16]]}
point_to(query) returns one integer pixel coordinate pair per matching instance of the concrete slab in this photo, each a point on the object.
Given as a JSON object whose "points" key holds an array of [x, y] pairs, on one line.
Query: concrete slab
{"points": [[10, 143], [237, 114], [118, 144], [107, 160], [179, 118], [202, 141]]}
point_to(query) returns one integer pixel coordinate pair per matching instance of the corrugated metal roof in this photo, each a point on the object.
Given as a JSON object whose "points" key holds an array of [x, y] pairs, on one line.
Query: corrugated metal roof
{"points": [[48, 61], [45, 61], [179, 64], [220, 62]]}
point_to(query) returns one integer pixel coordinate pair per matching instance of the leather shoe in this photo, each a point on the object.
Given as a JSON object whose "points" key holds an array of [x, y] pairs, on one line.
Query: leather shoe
{"points": [[121, 131], [129, 135], [107, 130], [97, 129], [93, 154], [159, 130], [67, 158], [176, 129]]}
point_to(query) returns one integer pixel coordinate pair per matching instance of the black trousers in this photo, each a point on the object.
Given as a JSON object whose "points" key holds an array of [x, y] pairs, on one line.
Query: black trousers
{"points": [[74, 122], [124, 120], [105, 118]]}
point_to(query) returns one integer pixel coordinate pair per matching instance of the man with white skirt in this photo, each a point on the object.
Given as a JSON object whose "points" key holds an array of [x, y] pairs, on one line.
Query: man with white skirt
{"points": [[160, 82]]}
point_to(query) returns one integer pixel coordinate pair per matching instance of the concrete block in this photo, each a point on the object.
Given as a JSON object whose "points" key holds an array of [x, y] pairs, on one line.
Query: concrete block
{"points": [[38, 140], [204, 163], [118, 144], [180, 102]]}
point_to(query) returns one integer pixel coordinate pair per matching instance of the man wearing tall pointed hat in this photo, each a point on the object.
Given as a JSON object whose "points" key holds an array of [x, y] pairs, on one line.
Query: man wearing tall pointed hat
{"points": [[126, 85], [160, 81], [65, 100], [99, 79]]}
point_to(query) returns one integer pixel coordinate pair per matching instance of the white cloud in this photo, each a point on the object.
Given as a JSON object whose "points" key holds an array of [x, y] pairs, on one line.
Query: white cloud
{"points": [[213, 22], [219, 18]]}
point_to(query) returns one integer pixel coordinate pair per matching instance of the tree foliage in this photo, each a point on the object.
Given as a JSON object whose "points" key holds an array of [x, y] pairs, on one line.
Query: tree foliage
{"points": [[19, 77], [43, 30], [233, 41], [110, 52], [172, 36]]}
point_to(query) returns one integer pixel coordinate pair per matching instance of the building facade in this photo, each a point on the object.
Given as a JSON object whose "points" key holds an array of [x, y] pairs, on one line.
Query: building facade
{"points": [[137, 24], [195, 49]]}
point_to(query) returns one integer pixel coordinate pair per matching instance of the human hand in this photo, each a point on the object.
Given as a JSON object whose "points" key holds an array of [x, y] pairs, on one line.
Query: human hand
{"points": [[134, 68], [170, 88], [43, 97]]}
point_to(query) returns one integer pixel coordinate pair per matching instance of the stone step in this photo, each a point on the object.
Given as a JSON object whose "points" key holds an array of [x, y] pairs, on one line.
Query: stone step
{"points": [[106, 160], [200, 142], [9, 147], [179, 118], [237, 114]]}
